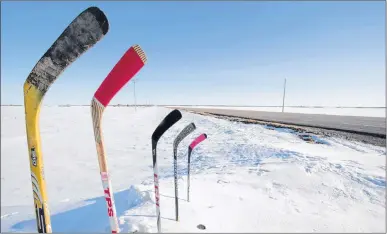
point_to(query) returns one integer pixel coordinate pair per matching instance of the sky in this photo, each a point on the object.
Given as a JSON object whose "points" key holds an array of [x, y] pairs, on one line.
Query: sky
{"points": [[209, 53]]}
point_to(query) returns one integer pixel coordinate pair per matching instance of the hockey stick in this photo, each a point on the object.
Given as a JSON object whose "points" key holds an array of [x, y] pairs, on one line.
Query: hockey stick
{"points": [[129, 64], [190, 148], [81, 34], [185, 132], [167, 122]]}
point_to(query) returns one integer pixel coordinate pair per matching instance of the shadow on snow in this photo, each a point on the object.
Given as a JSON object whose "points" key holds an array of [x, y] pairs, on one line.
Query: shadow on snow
{"points": [[91, 217]]}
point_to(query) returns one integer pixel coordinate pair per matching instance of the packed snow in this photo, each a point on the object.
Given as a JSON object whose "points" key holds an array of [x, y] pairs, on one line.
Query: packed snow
{"points": [[244, 177]]}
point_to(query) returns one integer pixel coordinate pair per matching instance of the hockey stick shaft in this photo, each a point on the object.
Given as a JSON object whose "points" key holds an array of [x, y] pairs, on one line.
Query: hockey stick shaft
{"points": [[189, 170], [97, 112], [156, 182]]}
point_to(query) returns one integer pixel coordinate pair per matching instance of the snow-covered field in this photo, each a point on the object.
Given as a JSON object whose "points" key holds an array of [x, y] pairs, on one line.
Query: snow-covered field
{"points": [[371, 112], [245, 178]]}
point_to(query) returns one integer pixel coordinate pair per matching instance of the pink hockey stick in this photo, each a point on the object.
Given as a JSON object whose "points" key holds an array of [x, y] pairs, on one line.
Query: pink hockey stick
{"points": [[194, 143]]}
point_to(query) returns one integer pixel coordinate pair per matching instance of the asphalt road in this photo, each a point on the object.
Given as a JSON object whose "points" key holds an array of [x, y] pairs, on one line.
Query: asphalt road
{"points": [[373, 126]]}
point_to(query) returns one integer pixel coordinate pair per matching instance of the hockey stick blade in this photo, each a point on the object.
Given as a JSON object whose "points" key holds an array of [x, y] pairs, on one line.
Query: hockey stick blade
{"points": [[84, 32], [183, 134], [197, 141], [126, 68], [167, 122], [81, 34]]}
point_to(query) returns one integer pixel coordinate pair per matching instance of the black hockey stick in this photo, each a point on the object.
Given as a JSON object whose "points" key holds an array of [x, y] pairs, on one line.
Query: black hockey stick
{"points": [[167, 122]]}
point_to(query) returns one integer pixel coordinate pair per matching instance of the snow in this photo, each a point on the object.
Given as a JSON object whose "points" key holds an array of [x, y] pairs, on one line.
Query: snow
{"points": [[244, 178], [348, 111]]}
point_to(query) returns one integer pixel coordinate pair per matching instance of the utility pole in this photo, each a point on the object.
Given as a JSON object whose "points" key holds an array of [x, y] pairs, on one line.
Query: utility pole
{"points": [[134, 92], [283, 100]]}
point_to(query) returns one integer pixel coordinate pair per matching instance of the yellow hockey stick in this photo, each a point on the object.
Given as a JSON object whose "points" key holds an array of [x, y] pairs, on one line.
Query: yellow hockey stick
{"points": [[84, 32]]}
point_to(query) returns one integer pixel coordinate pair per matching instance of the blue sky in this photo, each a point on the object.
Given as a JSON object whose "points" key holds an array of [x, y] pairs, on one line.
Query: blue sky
{"points": [[229, 53]]}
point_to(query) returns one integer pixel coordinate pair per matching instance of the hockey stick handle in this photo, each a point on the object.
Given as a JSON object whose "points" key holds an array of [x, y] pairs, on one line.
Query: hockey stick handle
{"points": [[176, 184], [156, 182], [97, 110], [112, 214], [189, 169]]}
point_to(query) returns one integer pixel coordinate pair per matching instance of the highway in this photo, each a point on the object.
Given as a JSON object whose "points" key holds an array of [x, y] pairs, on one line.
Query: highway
{"points": [[373, 126]]}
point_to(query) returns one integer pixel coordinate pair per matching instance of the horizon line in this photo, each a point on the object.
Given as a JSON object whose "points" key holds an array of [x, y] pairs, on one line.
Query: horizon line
{"points": [[127, 105]]}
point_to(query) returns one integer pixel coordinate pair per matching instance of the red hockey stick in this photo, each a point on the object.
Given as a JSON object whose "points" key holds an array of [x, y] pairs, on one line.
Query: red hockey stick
{"points": [[130, 63]]}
